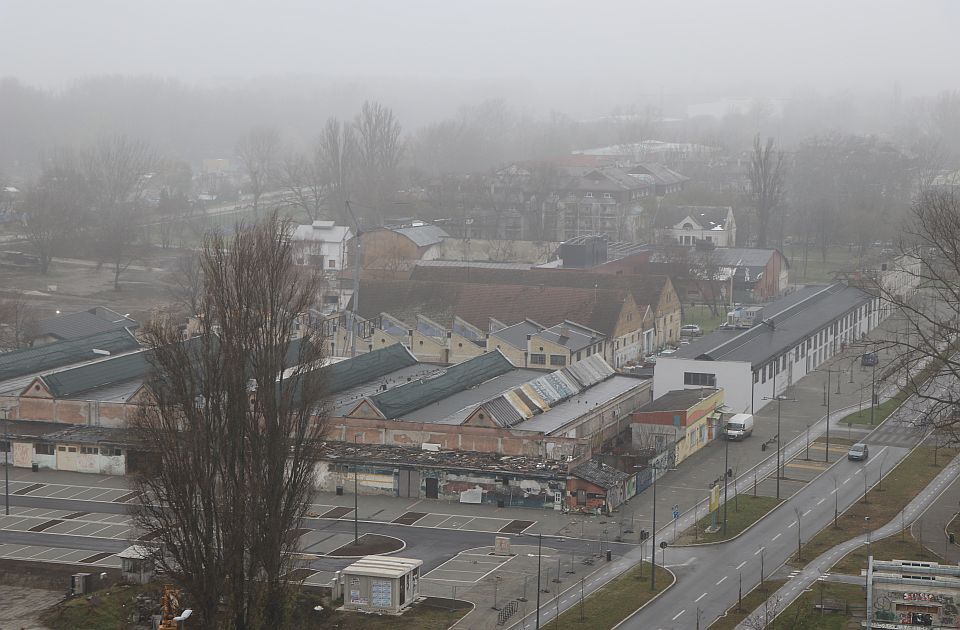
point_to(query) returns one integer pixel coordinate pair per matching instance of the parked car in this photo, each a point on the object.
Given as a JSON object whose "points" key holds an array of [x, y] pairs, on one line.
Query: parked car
{"points": [[690, 330], [858, 452], [667, 352], [869, 359]]}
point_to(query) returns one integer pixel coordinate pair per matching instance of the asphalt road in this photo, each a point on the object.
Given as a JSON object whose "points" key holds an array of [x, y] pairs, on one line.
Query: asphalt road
{"points": [[710, 577]]}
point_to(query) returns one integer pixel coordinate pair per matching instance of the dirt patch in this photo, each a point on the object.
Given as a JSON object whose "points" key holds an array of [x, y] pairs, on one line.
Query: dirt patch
{"points": [[369, 545], [337, 512], [409, 518], [49, 575], [515, 527]]}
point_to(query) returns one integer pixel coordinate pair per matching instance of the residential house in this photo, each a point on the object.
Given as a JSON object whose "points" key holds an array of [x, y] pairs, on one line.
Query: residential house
{"points": [[321, 244], [688, 225], [741, 274], [396, 249]]}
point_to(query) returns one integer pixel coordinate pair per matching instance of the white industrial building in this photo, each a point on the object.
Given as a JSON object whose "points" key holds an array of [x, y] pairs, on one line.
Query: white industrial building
{"points": [[793, 336]]}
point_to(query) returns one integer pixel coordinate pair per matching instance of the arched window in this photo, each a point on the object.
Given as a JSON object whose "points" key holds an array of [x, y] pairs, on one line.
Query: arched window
{"points": [[688, 226]]}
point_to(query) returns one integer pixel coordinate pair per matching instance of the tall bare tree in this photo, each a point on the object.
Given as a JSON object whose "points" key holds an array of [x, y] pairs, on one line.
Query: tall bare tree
{"points": [[117, 169], [301, 178], [379, 151], [259, 153], [336, 153], [55, 206], [18, 323], [920, 290], [766, 184], [233, 420]]}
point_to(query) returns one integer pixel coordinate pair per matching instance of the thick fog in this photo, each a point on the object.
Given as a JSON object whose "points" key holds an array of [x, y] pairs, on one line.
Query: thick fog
{"points": [[572, 56]]}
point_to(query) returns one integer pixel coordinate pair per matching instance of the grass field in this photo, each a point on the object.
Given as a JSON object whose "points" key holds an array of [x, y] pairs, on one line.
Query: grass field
{"points": [[742, 512], [900, 546], [880, 413], [838, 259], [702, 317], [803, 613], [615, 601], [883, 502], [111, 609]]}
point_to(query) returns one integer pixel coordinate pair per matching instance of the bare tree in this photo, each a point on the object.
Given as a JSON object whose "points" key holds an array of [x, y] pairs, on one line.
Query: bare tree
{"points": [[766, 184], [233, 426], [187, 283], [379, 150], [54, 206], [259, 153], [920, 289], [336, 154], [18, 323], [303, 184], [117, 170]]}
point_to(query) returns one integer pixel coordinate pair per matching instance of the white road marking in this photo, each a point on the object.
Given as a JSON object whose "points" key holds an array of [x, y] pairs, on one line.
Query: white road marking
{"points": [[740, 566], [792, 524], [807, 512], [834, 491], [678, 614], [847, 479], [758, 550], [820, 501], [699, 598], [775, 537], [721, 580]]}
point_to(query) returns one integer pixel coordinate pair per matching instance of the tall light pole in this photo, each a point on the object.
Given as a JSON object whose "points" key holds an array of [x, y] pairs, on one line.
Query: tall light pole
{"points": [[539, 556], [356, 494], [873, 385], [6, 458], [779, 400], [826, 451], [653, 535], [356, 282]]}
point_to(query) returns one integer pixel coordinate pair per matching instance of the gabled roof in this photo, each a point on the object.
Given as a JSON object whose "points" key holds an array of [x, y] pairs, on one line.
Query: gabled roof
{"points": [[404, 399], [119, 369], [343, 375], [423, 235], [571, 336], [663, 175], [786, 322], [84, 324], [516, 334], [646, 288], [322, 231], [61, 353], [477, 303], [707, 217], [599, 474]]}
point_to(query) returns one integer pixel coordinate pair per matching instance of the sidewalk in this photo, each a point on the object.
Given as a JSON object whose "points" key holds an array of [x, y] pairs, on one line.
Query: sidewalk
{"points": [[931, 525]]}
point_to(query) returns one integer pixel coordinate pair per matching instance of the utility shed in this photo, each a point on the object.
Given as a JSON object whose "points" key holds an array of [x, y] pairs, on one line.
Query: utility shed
{"points": [[381, 584]]}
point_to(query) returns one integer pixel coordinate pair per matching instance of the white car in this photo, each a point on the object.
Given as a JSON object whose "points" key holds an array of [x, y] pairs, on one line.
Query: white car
{"points": [[690, 330]]}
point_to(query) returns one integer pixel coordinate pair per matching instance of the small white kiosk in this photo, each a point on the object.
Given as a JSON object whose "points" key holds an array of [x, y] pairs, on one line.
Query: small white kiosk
{"points": [[381, 584]]}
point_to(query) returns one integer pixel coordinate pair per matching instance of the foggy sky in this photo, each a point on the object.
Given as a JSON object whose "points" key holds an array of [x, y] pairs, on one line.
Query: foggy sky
{"points": [[576, 50]]}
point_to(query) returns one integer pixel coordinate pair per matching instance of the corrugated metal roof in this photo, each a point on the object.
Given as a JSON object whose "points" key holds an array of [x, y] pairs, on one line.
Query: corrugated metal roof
{"points": [[366, 367], [84, 324], [423, 235], [110, 371], [589, 371], [599, 474], [404, 399], [503, 413], [61, 353]]}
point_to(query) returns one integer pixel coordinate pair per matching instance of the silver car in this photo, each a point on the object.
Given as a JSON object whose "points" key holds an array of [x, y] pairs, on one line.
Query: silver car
{"points": [[858, 452]]}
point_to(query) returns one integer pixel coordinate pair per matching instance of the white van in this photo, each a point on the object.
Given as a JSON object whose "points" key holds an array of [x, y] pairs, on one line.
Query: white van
{"points": [[740, 426]]}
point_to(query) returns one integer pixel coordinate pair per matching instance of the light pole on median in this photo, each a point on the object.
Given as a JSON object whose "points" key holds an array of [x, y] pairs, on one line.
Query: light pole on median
{"points": [[653, 535], [6, 458], [779, 400]]}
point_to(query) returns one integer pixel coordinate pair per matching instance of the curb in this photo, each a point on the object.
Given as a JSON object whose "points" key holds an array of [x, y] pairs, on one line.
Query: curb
{"points": [[403, 546], [649, 601]]}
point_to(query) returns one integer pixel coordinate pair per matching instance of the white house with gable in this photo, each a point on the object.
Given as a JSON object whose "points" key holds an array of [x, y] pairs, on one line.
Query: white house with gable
{"points": [[321, 244], [686, 225]]}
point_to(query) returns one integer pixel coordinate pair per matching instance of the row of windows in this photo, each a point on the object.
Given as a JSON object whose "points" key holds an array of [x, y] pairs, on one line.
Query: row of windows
{"points": [[700, 378], [812, 343], [50, 449]]}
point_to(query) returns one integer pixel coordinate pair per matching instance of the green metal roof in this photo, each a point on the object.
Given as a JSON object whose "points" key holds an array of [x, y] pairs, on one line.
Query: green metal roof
{"points": [[401, 400], [366, 367], [99, 374], [60, 353]]}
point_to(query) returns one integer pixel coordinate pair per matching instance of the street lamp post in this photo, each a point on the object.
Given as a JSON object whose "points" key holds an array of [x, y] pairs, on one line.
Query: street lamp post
{"points": [[826, 450], [873, 386], [779, 400], [653, 535], [6, 459], [539, 557]]}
